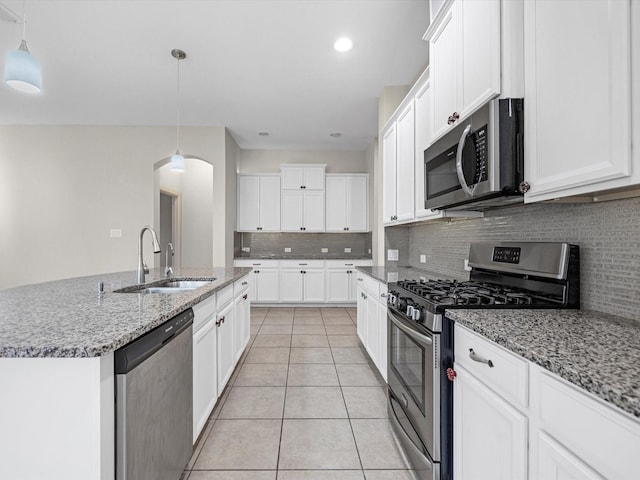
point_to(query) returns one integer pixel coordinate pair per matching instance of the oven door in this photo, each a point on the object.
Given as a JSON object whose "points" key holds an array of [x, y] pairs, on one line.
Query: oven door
{"points": [[414, 378]]}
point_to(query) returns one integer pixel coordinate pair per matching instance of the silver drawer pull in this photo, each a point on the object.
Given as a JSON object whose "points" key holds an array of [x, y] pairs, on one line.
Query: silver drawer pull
{"points": [[477, 358]]}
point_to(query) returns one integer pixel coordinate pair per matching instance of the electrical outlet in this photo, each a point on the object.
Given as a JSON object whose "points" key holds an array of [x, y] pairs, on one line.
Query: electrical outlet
{"points": [[392, 255], [324, 250], [369, 251], [287, 250], [423, 279], [466, 265], [347, 249], [115, 233], [246, 249], [423, 259]]}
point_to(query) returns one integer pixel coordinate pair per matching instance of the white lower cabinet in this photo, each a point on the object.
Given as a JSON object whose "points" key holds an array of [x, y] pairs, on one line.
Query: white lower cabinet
{"points": [[490, 435], [264, 279], [241, 316], [516, 420], [372, 320], [225, 344], [302, 281], [205, 388], [341, 280]]}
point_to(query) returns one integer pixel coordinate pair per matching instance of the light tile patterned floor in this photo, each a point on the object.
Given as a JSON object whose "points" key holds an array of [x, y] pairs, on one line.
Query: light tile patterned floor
{"points": [[303, 404]]}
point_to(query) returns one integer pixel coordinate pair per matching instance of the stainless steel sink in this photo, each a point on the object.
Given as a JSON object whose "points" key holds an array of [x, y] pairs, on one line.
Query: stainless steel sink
{"points": [[167, 287]]}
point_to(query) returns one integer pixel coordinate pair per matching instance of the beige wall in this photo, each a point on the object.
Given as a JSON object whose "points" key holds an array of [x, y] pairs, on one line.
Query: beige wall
{"points": [[269, 161], [62, 188]]}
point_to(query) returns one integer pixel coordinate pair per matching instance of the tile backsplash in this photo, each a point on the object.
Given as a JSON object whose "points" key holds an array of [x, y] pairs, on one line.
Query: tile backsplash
{"points": [[608, 234], [303, 245]]}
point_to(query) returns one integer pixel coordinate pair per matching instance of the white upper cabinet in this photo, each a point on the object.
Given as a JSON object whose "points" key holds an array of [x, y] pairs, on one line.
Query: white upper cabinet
{"points": [[398, 159], [578, 99], [302, 211], [347, 200], [258, 203], [464, 53], [389, 156], [305, 177], [405, 159]]}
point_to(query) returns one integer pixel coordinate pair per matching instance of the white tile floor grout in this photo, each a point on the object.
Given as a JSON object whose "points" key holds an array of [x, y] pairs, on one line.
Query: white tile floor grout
{"points": [[316, 411]]}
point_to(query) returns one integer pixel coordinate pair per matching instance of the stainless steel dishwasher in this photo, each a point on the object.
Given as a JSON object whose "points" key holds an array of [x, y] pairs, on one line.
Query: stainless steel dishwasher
{"points": [[154, 406]]}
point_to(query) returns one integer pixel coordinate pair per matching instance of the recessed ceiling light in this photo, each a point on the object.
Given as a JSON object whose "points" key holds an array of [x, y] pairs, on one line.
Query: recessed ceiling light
{"points": [[343, 44], [335, 134], [263, 134]]}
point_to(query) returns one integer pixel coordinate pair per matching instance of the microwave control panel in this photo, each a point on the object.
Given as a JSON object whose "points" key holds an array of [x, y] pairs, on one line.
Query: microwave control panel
{"points": [[480, 146]]}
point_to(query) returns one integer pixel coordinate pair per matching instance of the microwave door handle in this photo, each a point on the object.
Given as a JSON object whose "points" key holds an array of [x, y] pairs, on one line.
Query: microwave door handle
{"points": [[463, 183]]}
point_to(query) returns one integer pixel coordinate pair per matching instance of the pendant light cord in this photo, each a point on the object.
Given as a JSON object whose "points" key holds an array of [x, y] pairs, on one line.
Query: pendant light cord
{"points": [[178, 109], [24, 22]]}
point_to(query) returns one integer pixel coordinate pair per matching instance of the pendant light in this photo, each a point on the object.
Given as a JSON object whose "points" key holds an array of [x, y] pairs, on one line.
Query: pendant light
{"points": [[177, 159], [21, 70]]}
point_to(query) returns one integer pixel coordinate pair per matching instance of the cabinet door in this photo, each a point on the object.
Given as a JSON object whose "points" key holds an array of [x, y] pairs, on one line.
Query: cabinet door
{"points": [[406, 148], [313, 216], [353, 285], [336, 201], [292, 210], [557, 463], [361, 316], [270, 204], [373, 329], [292, 178], [225, 346], [490, 436], [382, 341], [314, 285], [291, 285], [443, 56], [389, 174], [338, 284], [249, 200], [241, 324], [357, 203], [205, 391], [314, 178], [479, 24], [577, 94], [267, 285]]}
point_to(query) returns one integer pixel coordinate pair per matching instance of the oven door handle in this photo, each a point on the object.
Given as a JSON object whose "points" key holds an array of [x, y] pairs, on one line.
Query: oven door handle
{"points": [[420, 338], [463, 182]]}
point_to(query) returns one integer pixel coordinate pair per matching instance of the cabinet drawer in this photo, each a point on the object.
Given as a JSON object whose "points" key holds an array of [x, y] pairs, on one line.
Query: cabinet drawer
{"points": [[509, 376], [302, 263], [202, 311], [371, 285], [224, 296], [255, 263], [240, 285], [605, 438], [348, 264]]}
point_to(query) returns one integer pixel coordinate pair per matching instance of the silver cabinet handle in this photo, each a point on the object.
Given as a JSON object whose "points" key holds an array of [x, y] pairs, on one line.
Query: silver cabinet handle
{"points": [[477, 358], [383, 295], [244, 283], [420, 338], [463, 183], [360, 279]]}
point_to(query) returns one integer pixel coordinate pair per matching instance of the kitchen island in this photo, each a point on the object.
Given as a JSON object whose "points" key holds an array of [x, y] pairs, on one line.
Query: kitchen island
{"points": [[56, 366]]}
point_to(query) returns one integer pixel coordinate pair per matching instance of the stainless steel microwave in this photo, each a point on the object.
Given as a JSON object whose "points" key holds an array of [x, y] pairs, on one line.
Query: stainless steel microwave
{"points": [[479, 164]]}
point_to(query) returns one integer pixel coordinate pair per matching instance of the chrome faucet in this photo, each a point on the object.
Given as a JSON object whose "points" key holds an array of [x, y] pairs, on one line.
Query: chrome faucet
{"points": [[167, 269], [142, 267]]}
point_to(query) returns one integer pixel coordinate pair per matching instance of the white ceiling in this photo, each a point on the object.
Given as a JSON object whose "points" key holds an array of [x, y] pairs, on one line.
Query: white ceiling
{"points": [[252, 65]]}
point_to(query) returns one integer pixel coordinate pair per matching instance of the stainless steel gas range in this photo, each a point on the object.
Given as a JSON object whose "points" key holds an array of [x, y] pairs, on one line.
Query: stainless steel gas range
{"points": [[420, 349]]}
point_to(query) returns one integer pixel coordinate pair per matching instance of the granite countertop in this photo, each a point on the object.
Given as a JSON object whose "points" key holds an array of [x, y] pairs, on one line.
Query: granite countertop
{"points": [[68, 318], [393, 274], [595, 351]]}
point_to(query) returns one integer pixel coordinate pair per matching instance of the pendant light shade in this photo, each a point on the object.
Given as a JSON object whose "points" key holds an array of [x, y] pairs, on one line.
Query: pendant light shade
{"points": [[177, 162], [22, 71]]}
